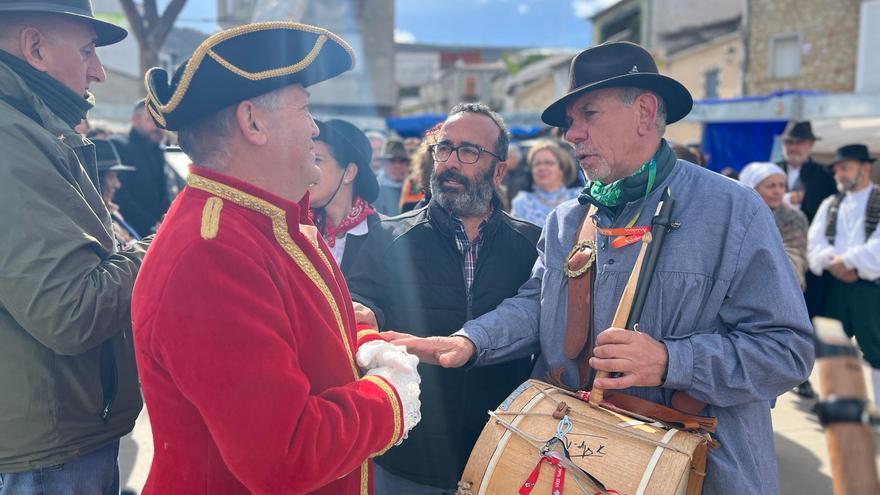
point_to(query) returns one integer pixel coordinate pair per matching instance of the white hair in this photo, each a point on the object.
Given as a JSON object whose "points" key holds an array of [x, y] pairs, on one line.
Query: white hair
{"points": [[205, 140], [628, 97]]}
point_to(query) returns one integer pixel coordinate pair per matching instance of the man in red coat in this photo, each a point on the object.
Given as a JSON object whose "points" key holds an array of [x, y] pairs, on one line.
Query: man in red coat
{"points": [[252, 369]]}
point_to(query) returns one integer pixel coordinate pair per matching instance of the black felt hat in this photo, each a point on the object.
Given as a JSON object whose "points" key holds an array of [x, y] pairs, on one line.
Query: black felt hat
{"points": [[395, 149], [857, 152], [81, 9], [798, 131], [108, 157], [349, 144], [614, 65], [241, 63]]}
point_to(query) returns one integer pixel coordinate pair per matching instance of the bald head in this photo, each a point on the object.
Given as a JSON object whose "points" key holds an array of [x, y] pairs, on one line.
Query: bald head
{"points": [[61, 46]]}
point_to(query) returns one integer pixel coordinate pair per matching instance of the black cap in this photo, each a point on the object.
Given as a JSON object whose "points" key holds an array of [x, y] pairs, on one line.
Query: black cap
{"points": [[857, 152], [241, 63], [349, 144], [395, 149], [81, 9], [108, 157], [798, 131]]}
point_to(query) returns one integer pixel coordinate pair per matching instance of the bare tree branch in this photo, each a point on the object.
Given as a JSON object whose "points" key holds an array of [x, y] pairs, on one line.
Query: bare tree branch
{"points": [[151, 14], [135, 21], [150, 29], [168, 18]]}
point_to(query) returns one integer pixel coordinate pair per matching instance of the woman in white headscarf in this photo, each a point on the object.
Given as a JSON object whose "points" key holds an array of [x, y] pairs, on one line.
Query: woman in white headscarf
{"points": [[768, 179]]}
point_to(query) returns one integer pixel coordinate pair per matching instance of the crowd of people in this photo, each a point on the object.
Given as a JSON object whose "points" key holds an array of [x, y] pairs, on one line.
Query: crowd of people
{"points": [[320, 309]]}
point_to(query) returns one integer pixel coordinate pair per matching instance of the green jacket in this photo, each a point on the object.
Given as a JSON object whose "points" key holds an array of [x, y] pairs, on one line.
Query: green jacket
{"points": [[68, 382]]}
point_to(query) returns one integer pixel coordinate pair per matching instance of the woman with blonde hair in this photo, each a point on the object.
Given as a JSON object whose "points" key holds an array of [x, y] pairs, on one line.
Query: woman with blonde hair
{"points": [[552, 171]]}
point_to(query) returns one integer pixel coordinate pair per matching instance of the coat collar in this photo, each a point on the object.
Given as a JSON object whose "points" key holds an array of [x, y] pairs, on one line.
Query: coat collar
{"points": [[442, 220]]}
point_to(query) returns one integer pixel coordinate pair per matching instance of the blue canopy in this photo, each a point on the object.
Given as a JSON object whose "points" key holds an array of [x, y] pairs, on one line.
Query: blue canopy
{"points": [[414, 125]]}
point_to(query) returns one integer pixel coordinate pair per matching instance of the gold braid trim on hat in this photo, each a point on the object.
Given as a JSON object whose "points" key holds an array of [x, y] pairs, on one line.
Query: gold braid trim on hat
{"points": [[284, 71], [206, 49], [156, 115], [282, 236]]}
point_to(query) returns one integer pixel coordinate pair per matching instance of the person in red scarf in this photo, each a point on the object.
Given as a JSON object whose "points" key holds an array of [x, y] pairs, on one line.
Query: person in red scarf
{"points": [[252, 366], [341, 199]]}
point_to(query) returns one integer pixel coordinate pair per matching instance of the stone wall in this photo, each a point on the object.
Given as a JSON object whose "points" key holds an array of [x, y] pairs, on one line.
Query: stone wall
{"points": [[828, 41]]}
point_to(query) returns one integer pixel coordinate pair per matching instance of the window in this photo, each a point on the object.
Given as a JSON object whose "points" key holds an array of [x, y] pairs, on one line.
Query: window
{"points": [[785, 56], [710, 83]]}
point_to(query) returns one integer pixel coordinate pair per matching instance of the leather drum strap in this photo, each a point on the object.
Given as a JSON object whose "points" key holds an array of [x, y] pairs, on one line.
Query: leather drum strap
{"points": [[579, 270], [577, 345]]}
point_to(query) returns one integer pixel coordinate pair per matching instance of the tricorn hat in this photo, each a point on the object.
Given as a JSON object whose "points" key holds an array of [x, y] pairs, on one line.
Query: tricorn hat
{"points": [[395, 149], [108, 157], [80, 9], [857, 152], [619, 64], [350, 144], [241, 63], [798, 130]]}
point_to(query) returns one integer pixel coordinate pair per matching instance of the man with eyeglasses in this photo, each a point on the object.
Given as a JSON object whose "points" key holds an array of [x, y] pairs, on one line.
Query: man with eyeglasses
{"points": [[430, 270]]}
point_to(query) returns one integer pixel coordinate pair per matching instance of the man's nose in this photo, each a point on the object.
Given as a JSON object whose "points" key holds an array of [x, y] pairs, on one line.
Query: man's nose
{"points": [[96, 70]]}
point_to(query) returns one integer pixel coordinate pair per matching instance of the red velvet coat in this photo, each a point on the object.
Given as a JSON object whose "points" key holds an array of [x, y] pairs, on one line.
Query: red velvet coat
{"points": [[245, 342]]}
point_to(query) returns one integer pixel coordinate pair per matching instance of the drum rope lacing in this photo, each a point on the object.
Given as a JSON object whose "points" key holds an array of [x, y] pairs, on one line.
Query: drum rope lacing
{"points": [[613, 428]]}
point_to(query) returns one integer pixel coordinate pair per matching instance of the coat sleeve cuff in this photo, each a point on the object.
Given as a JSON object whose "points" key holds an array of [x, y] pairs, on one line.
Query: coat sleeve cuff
{"points": [[366, 333], [396, 409], [680, 364]]}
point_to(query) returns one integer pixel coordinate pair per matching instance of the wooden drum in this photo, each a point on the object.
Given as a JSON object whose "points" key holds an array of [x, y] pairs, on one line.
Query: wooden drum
{"points": [[626, 456]]}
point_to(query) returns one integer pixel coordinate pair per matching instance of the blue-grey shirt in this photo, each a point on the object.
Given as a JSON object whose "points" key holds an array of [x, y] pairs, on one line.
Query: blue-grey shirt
{"points": [[723, 299]]}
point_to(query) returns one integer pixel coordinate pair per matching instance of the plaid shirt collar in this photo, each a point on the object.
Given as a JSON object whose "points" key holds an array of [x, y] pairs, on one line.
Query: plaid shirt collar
{"points": [[469, 249]]}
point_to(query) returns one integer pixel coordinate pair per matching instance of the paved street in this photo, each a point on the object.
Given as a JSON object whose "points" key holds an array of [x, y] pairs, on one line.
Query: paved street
{"points": [[800, 447]]}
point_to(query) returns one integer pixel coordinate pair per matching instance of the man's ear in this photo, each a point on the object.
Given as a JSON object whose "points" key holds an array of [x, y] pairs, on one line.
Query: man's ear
{"points": [[32, 44], [647, 105], [252, 123], [500, 170]]}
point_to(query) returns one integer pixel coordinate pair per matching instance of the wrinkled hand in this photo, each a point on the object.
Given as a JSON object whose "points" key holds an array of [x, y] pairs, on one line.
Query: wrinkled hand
{"points": [[640, 358], [364, 315], [448, 352], [841, 272], [795, 197]]}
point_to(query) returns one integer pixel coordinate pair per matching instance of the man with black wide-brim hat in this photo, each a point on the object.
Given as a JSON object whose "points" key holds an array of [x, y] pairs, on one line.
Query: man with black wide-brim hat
{"points": [[68, 382], [808, 182], [254, 371], [844, 242], [724, 329]]}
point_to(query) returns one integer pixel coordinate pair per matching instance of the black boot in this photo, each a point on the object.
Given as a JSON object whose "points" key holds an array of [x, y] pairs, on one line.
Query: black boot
{"points": [[805, 390]]}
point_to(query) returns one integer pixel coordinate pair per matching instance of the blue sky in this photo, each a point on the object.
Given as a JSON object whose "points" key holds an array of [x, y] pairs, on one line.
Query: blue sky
{"points": [[541, 23]]}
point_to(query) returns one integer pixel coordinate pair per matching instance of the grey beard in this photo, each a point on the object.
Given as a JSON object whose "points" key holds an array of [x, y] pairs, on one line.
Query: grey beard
{"points": [[849, 185], [473, 201]]}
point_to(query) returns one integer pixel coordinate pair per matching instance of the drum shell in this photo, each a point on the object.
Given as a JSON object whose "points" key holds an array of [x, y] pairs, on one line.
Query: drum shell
{"points": [[626, 459]]}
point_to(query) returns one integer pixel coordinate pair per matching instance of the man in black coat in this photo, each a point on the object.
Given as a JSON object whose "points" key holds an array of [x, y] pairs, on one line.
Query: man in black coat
{"points": [[143, 197], [427, 272], [809, 183]]}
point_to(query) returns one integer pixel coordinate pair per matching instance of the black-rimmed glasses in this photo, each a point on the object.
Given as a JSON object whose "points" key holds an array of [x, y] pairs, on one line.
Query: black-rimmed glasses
{"points": [[466, 153]]}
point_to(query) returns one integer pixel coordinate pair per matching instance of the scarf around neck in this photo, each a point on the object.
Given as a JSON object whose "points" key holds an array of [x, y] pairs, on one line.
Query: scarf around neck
{"points": [[360, 210], [66, 104], [636, 185]]}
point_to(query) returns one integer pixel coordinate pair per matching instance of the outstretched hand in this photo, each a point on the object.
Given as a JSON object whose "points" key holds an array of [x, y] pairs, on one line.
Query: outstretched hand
{"points": [[640, 358], [448, 352]]}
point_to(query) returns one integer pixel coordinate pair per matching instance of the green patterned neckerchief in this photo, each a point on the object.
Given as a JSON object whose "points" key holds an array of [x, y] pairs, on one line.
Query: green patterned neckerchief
{"points": [[609, 194]]}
